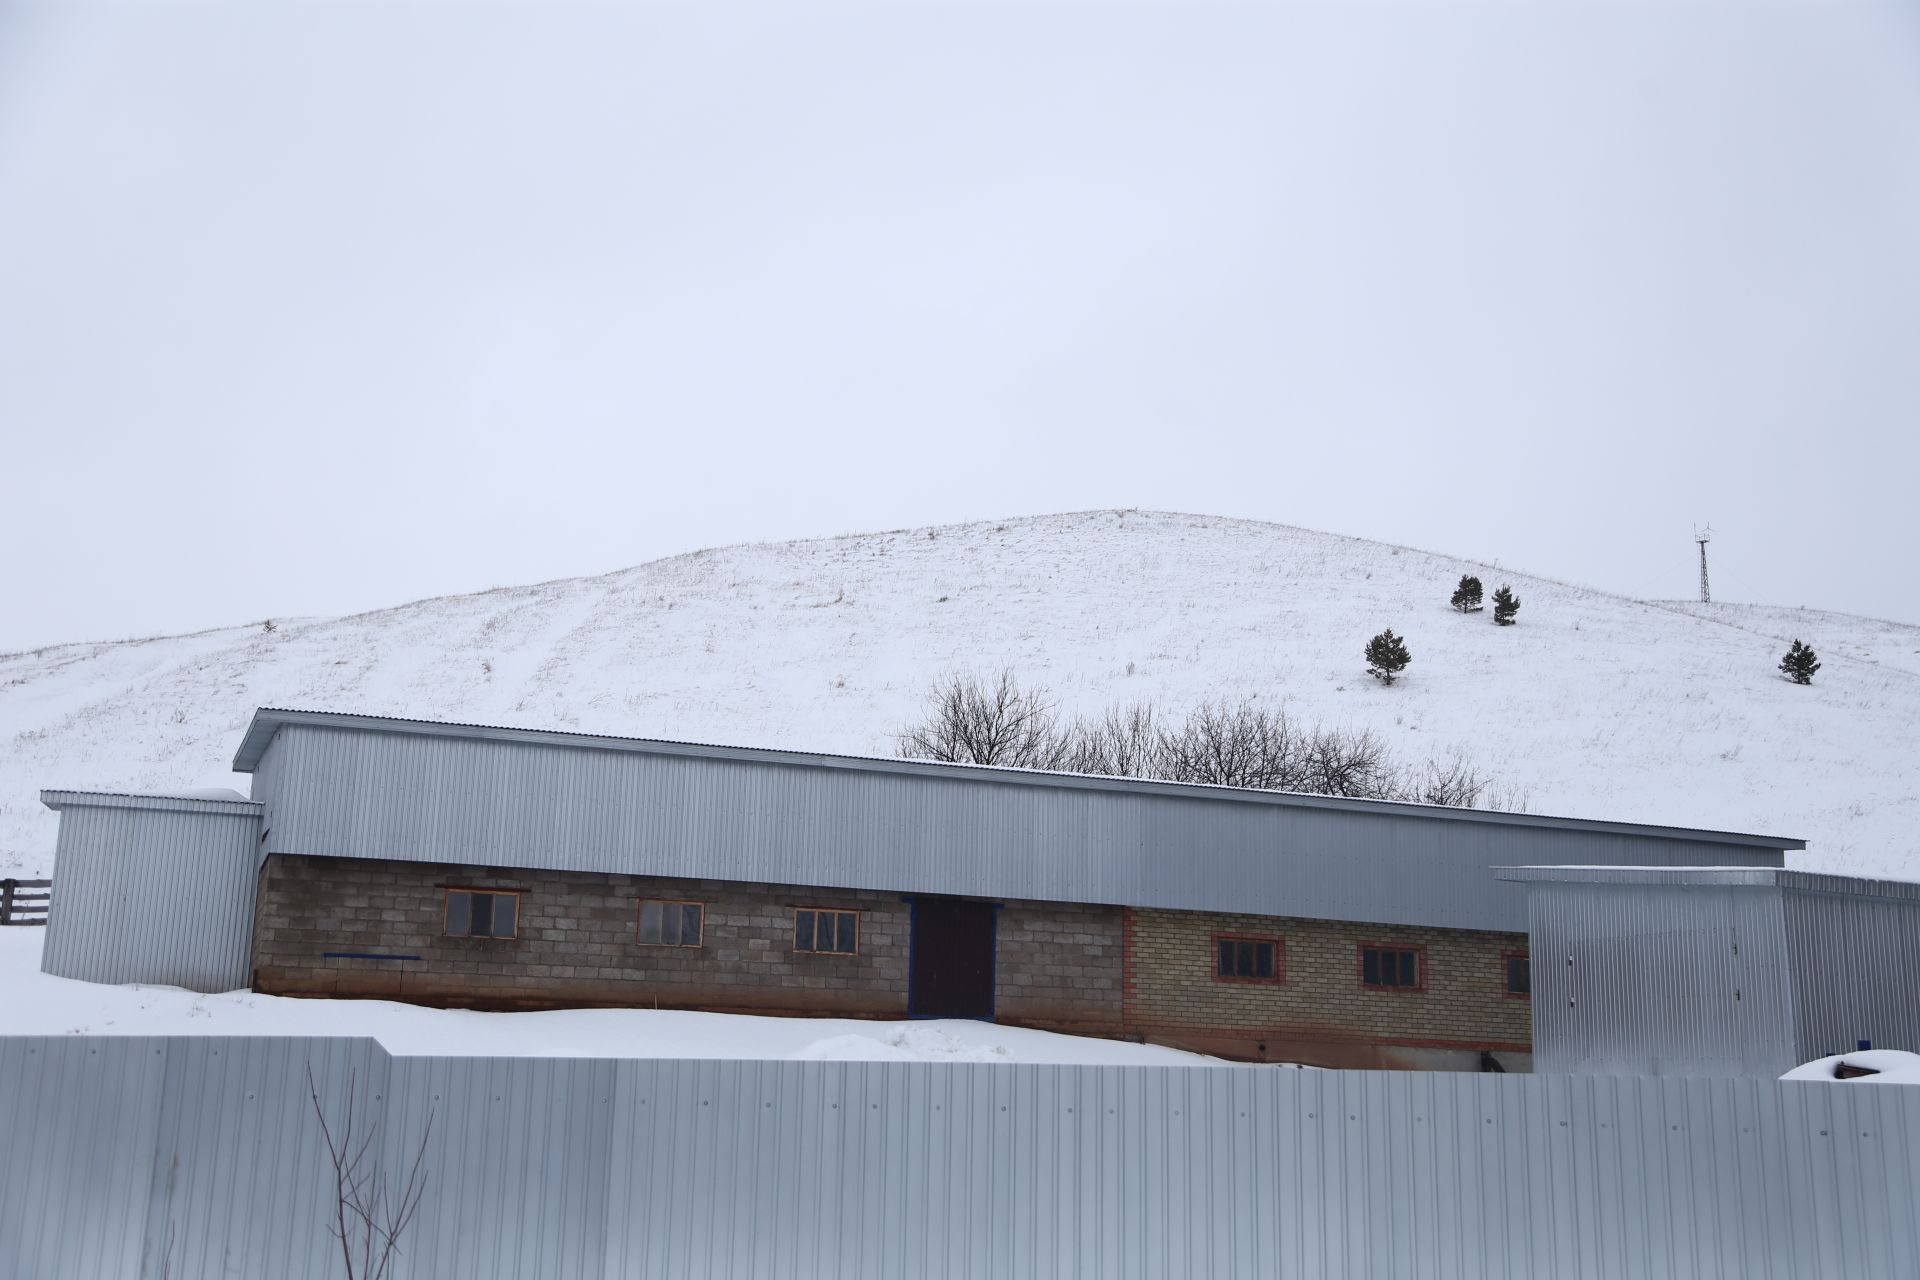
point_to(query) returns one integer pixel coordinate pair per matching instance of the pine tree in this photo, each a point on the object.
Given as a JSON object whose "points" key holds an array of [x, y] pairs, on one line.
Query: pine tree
{"points": [[1799, 664], [1466, 596], [1505, 605], [1387, 656]]}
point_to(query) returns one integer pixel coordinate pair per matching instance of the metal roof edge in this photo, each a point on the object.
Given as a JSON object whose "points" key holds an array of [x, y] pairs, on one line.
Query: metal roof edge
{"points": [[1787, 878], [1554, 874], [58, 799], [268, 721]]}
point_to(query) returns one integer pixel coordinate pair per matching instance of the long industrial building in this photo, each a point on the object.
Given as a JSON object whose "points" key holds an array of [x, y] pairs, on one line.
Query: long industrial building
{"points": [[511, 868]]}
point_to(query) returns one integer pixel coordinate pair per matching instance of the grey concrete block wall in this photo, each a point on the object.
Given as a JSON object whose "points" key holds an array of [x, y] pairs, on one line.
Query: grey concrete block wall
{"points": [[1057, 965], [1060, 965], [577, 944]]}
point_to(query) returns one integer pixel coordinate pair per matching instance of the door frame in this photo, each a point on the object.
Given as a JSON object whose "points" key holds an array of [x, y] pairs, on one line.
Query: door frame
{"points": [[993, 958]]}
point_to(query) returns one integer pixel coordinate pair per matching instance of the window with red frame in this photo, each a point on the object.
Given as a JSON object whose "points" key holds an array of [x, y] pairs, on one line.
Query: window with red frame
{"points": [[1392, 968], [1246, 959]]}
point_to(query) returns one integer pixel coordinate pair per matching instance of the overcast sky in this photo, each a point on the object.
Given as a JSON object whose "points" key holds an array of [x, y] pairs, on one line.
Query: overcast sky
{"points": [[312, 308]]}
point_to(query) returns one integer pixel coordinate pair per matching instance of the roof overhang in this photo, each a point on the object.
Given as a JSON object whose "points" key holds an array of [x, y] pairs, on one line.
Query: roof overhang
{"points": [[268, 721], [58, 800]]}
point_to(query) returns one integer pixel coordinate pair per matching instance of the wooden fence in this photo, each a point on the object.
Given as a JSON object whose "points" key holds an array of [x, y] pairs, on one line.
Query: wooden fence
{"points": [[24, 901]]}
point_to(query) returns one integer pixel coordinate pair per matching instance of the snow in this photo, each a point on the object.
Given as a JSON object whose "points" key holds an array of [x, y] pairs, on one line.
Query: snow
{"points": [[1890, 1066], [200, 793], [39, 1004], [1593, 706], [1891, 644]]}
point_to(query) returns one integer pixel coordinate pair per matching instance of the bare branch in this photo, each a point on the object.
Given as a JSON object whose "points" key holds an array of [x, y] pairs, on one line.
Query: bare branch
{"points": [[1453, 781], [367, 1220], [1125, 742], [969, 721]]}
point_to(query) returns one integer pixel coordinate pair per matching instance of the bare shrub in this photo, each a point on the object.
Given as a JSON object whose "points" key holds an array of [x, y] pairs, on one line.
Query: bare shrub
{"points": [[1341, 762], [1234, 745], [1244, 745], [1453, 781], [972, 721], [1225, 744], [370, 1214], [1124, 743], [1507, 797]]}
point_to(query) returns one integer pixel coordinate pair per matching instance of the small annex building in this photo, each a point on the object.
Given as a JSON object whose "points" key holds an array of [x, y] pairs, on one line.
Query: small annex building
{"points": [[507, 868], [1717, 971]]}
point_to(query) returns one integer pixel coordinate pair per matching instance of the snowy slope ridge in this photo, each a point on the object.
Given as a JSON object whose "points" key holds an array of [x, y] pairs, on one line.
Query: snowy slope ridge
{"points": [[1594, 706]]}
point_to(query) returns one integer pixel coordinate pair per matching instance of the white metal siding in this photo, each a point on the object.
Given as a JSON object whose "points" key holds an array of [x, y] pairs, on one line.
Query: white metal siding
{"points": [[1645, 980], [1856, 966], [160, 892], [437, 798], [543, 1167]]}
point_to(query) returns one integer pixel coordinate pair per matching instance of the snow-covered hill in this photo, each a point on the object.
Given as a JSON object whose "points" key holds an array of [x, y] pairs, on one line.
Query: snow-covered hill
{"points": [[1594, 705]]}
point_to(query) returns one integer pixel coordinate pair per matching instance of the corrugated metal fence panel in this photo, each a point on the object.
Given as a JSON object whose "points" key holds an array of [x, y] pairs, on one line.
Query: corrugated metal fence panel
{"points": [[153, 895], [518, 1150], [241, 1182], [1641, 980], [690, 1169], [144, 1157], [75, 1166], [357, 793], [912, 1170], [1856, 966]]}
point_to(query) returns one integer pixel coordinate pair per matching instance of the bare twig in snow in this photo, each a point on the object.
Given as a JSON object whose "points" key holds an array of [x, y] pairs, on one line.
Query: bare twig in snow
{"points": [[369, 1213]]}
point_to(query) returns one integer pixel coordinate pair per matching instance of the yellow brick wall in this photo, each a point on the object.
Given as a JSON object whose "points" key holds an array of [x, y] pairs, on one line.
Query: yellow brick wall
{"points": [[1171, 984]]}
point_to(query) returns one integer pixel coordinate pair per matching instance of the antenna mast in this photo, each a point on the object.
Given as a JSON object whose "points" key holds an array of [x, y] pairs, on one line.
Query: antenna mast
{"points": [[1703, 537]]}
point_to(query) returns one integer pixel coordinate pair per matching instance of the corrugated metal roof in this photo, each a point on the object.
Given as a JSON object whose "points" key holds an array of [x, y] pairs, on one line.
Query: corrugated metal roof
{"points": [[1758, 877], [532, 803], [57, 800], [267, 721]]}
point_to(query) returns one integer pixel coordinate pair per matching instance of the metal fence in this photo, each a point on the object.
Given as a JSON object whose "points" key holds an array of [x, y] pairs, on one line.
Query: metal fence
{"points": [[201, 1158]]}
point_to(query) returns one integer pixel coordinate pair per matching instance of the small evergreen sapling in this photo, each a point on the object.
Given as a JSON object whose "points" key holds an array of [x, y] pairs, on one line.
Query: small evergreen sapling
{"points": [[1505, 605], [1799, 664], [1466, 596], [1387, 656]]}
